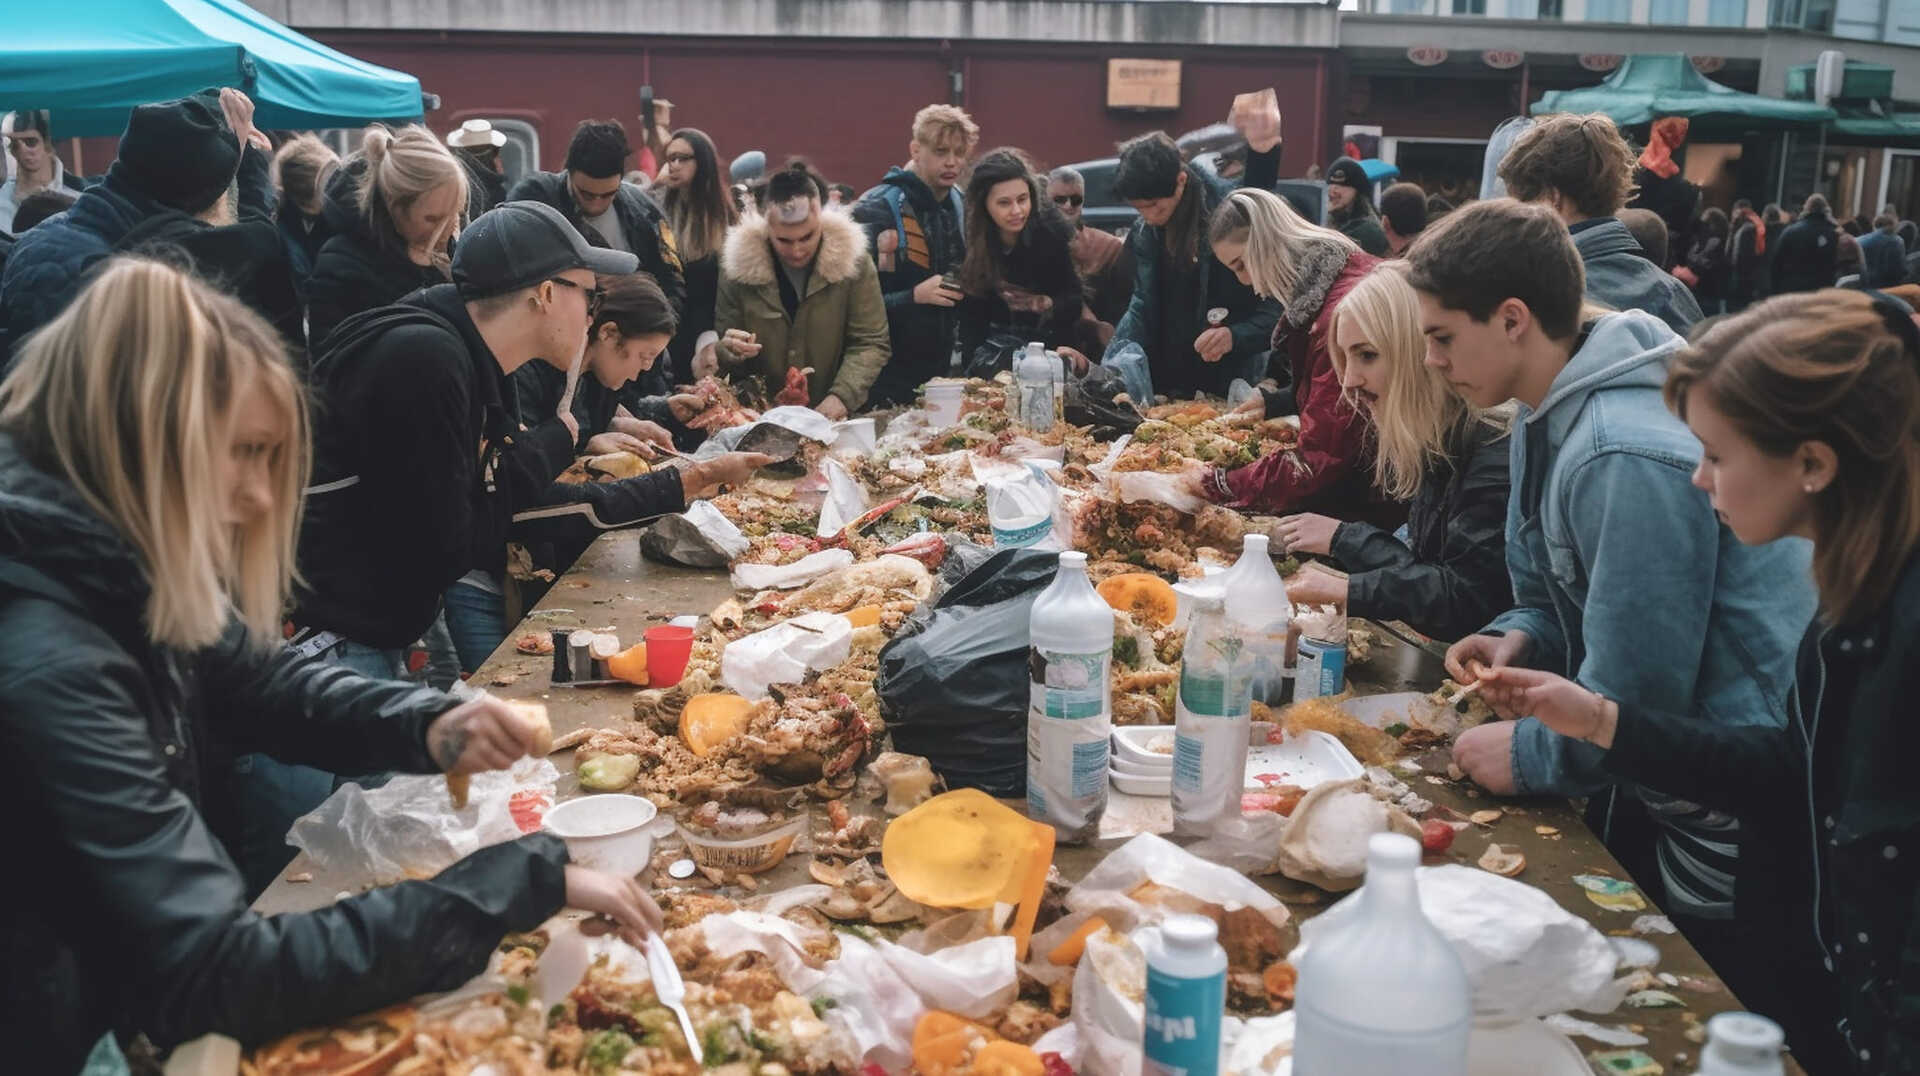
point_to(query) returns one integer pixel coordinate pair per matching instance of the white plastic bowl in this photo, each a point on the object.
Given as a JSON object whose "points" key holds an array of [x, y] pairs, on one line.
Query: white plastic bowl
{"points": [[1160, 787], [606, 832], [1128, 768]]}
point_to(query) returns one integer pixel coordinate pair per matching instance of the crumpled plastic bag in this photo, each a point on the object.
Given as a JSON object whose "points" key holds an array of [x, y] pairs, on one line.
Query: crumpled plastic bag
{"points": [[1131, 362], [407, 828], [785, 653], [846, 499], [787, 576], [766, 435], [1525, 955], [1150, 487], [700, 537], [1323, 843]]}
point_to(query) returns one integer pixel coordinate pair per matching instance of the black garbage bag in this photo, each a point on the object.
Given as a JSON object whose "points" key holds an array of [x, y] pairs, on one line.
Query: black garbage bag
{"points": [[995, 355], [953, 684], [1092, 401]]}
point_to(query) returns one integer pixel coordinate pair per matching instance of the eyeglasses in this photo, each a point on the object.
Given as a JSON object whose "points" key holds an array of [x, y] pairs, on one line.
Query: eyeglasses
{"points": [[679, 158], [595, 295], [1075, 200]]}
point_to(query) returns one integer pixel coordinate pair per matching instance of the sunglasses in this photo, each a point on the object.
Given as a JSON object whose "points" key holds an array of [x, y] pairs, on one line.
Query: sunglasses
{"points": [[595, 295], [1069, 199]]}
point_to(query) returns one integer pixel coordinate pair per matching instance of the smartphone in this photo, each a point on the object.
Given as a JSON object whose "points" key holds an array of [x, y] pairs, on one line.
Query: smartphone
{"points": [[646, 107]]}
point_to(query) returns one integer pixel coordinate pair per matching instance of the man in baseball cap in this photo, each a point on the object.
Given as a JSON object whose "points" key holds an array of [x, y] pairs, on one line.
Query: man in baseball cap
{"points": [[419, 463]]}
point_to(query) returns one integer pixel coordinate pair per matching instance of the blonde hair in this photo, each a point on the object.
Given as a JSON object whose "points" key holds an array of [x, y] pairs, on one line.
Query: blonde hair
{"points": [[1278, 239], [402, 167], [1416, 416], [935, 122], [301, 168], [130, 395]]}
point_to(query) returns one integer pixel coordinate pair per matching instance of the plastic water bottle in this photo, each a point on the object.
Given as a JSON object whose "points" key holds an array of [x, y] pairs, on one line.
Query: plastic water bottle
{"points": [[1059, 362], [1033, 386], [1322, 665], [1070, 709], [1211, 719], [1742, 1044], [1257, 602], [1381, 992], [1186, 996]]}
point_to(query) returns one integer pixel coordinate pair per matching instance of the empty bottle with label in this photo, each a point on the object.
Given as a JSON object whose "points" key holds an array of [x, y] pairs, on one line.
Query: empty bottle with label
{"points": [[1743, 1044], [1321, 668], [1033, 388], [1381, 992], [1257, 602], [1186, 998], [1070, 715], [1211, 720]]}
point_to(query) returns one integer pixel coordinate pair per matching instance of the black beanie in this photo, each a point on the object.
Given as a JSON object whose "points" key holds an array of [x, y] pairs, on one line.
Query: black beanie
{"points": [[1347, 172], [180, 153]]}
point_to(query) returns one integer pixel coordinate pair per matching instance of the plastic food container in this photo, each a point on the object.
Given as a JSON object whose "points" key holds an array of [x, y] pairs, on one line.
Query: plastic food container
{"points": [[1133, 744], [943, 402], [744, 855], [606, 832], [1160, 787], [1126, 768], [1306, 760]]}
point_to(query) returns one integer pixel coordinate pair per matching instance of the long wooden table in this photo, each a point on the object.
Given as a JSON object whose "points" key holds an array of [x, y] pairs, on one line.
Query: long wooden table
{"points": [[613, 587]]}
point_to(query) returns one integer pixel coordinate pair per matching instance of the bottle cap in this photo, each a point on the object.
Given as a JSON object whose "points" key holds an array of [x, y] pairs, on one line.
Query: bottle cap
{"points": [[1253, 542], [1744, 1038], [1189, 931], [1073, 558], [1393, 851]]}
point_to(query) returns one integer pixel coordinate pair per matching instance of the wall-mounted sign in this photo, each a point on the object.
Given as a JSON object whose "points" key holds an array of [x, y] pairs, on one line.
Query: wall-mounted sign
{"points": [[1601, 62], [1707, 65], [1143, 85], [1427, 55], [1502, 59]]}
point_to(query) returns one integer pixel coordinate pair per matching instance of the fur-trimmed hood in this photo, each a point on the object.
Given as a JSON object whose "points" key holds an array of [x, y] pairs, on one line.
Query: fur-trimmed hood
{"points": [[748, 255]]}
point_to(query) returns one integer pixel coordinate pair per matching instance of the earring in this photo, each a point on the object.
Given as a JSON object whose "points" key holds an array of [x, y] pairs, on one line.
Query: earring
{"points": [[1809, 487]]}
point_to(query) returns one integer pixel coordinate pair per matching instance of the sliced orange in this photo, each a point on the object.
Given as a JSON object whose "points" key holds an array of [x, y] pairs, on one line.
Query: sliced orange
{"points": [[864, 617], [1003, 1058], [711, 720], [1143, 594], [630, 665], [1067, 953], [944, 1044]]}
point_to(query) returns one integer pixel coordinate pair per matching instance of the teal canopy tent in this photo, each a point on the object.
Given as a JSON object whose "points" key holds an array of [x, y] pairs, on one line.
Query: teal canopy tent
{"points": [[92, 61], [1646, 87]]}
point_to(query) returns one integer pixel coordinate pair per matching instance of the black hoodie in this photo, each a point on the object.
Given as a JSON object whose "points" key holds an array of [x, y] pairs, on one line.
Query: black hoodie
{"points": [[1041, 262], [355, 270], [136, 920]]}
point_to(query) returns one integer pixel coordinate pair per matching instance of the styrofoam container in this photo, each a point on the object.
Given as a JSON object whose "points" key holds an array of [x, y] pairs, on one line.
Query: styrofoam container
{"points": [[1379, 711], [1130, 743], [747, 855], [606, 832], [943, 402], [1526, 1048], [1142, 786], [1306, 760], [1127, 768]]}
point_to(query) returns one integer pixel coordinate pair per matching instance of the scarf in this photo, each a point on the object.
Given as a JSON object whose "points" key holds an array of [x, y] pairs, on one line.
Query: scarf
{"points": [[1319, 268]]}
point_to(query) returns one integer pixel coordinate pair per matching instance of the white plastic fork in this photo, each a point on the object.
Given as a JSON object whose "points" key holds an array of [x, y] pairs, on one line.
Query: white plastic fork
{"points": [[672, 991]]}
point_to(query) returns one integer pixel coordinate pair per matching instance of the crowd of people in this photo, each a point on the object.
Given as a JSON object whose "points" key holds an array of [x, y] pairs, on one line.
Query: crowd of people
{"points": [[272, 420]]}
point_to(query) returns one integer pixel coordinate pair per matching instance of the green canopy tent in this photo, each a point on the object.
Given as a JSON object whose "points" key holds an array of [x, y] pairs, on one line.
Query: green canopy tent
{"points": [[92, 61], [1647, 87]]}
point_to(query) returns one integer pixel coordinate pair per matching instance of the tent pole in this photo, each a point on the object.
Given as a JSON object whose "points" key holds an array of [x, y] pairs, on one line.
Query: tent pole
{"points": [[1820, 169]]}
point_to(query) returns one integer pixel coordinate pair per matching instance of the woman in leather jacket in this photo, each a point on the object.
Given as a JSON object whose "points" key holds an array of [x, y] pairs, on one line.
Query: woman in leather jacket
{"points": [[153, 447]]}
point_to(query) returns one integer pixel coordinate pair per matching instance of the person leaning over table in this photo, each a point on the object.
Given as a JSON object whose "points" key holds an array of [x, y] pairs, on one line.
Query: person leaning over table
{"points": [[799, 292], [1309, 269], [1621, 575], [1808, 411], [1177, 277], [1019, 254], [627, 336], [146, 551], [1444, 456]]}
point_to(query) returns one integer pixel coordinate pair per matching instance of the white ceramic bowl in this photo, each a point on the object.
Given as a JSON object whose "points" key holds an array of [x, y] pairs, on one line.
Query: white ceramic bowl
{"points": [[606, 832]]}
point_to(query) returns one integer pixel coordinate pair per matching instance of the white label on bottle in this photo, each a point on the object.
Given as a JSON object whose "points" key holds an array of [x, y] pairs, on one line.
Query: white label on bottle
{"points": [[1322, 670], [1209, 768], [1069, 722]]}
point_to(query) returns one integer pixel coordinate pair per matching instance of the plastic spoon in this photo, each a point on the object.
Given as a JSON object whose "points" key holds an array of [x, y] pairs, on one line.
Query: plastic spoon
{"points": [[672, 992]]}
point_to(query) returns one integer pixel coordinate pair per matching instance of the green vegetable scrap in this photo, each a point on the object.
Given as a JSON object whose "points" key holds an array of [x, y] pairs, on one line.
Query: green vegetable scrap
{"points": [[606, 1050], [609, 773]]}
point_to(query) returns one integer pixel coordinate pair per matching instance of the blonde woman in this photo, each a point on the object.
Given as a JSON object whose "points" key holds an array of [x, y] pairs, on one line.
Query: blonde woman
{"points": [[1448, 577], [153, 446], [1309, 269], [301, 170], [397, 207]]}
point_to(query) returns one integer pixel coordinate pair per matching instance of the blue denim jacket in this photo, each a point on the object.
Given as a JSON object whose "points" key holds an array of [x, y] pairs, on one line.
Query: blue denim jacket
{"points": [[1622, 575]]}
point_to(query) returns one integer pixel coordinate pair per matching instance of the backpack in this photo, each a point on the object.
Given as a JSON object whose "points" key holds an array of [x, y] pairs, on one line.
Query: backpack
{"points": [[895, 198]]}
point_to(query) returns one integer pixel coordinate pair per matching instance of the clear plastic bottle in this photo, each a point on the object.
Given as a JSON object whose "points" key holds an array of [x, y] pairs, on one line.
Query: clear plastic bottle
{"points": [[1381, 992], [1070, 712], [1257, 602], [1743, 1044], [1211, 719], [1186, 998], [1033, 388]]}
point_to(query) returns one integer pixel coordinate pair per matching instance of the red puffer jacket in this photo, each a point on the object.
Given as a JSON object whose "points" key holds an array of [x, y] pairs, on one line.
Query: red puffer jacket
{"points": [[1332, 470]]}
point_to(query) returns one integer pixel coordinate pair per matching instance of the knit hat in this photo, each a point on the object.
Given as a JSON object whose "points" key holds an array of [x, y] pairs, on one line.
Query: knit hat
{"points": [[1347, 172], [181, 153]]}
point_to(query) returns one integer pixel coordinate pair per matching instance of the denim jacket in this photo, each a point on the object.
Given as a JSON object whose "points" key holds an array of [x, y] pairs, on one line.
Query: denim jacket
{"points": [[1623, 577], [1620, 276]]}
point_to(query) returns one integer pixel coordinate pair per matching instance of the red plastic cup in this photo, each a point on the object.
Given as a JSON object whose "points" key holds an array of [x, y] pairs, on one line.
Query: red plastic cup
{"points": [[668, 649]]}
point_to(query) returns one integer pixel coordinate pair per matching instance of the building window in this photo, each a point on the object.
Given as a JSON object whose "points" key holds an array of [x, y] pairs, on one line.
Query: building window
{"points": [[1410, 7], [1469, 7], [1726, 12], [1667, 12], [1609, 10], [1552, 9]]}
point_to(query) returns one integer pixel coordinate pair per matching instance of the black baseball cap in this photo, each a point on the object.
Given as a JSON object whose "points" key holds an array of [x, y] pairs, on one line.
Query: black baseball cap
{"points": [[517, 245]]}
